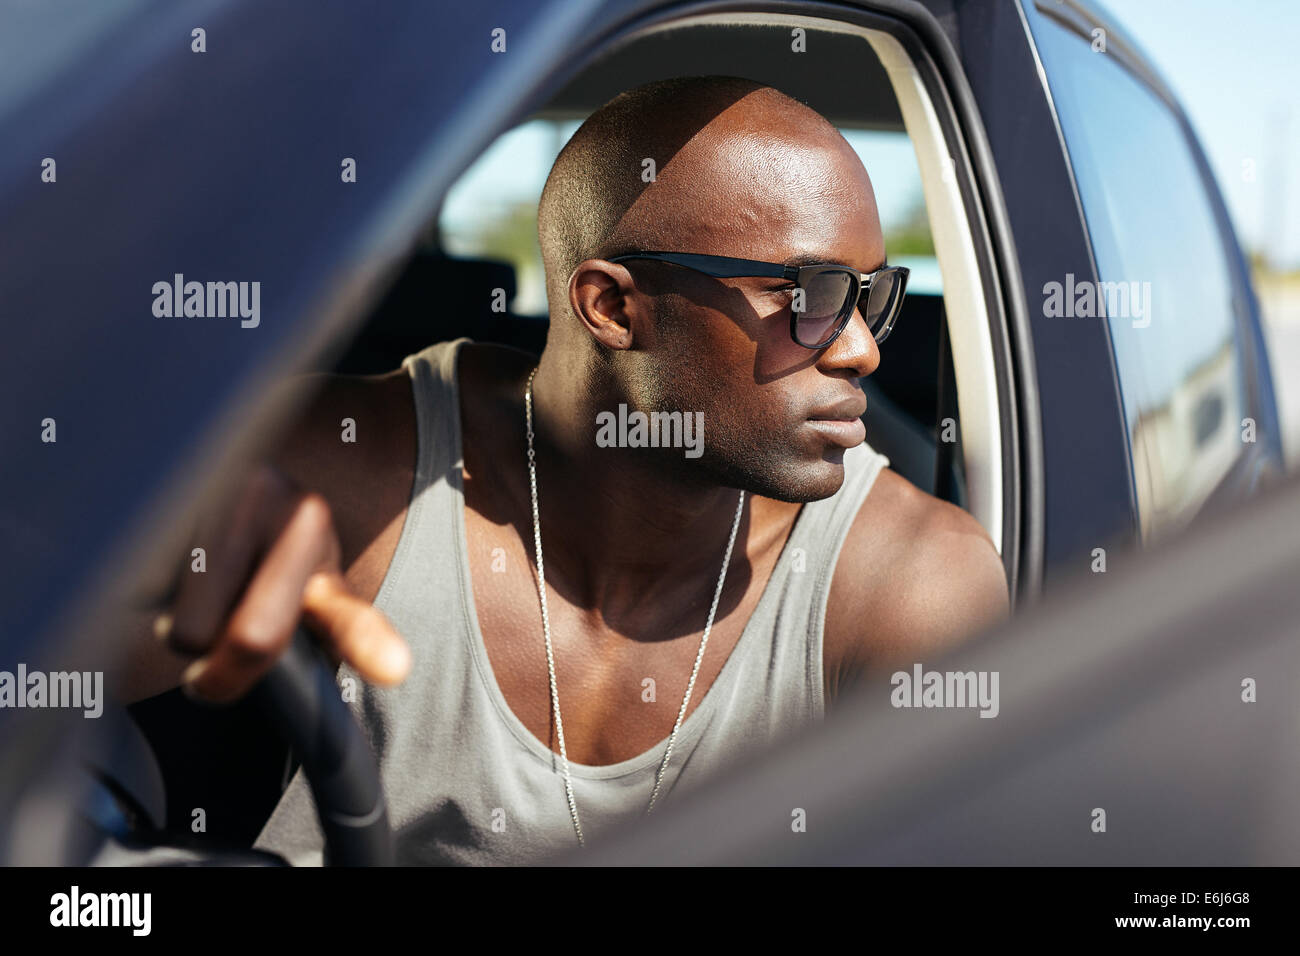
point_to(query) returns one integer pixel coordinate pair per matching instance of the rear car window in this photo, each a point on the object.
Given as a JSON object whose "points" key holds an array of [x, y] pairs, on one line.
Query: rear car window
{"points": [[1166, 286]]}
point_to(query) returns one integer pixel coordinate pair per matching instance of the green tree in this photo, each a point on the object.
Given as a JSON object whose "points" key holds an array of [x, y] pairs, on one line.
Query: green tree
{"points": [[912, 236]]}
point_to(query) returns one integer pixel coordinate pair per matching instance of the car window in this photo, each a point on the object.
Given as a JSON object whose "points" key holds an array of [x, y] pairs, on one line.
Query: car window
{"points": [[1166, 286], [491, 211]]}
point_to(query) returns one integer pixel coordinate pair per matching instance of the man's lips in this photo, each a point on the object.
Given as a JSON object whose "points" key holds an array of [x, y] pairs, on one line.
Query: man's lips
{"points": [[845, 410], [847, 433], [842, 422]]}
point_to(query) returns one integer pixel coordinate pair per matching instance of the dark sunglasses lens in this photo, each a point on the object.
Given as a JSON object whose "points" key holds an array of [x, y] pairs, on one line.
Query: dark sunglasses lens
{"points": [[825, 296], [882, 302]]}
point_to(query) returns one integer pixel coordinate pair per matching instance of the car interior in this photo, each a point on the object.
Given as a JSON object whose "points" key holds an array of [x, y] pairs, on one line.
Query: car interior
{"points": [[225, 760]]}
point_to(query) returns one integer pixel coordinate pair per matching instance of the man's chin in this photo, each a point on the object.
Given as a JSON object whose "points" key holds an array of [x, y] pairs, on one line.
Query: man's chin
{"points": [[798, 472], [804, 482]]}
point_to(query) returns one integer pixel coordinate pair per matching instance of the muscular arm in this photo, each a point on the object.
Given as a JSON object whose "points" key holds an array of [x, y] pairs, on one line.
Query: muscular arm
{"points": [[354, 480], [367, 482], [916, 575]]}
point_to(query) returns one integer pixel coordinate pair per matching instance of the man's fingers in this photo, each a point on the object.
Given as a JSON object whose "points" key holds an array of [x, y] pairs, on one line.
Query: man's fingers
{"points": [[358, 631], [231, 541], [261, 626], [273, 558]]}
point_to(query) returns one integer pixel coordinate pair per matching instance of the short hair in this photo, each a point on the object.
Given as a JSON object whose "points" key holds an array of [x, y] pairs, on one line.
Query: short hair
{"points": [[598, 175]]}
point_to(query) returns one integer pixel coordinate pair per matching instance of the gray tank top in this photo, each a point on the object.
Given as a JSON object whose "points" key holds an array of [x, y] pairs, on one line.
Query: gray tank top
{"points": [[466, 781]]}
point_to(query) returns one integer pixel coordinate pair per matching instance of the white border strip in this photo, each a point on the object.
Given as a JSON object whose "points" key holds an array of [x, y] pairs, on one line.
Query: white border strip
{"points": [[963, 288]]}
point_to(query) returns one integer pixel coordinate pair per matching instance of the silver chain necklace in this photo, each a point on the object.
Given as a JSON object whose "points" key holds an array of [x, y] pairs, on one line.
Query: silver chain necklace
{"points": [[546, 625]]}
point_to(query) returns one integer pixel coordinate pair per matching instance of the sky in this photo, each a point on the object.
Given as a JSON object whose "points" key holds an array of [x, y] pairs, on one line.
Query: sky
{"points": [[1235, 67]]}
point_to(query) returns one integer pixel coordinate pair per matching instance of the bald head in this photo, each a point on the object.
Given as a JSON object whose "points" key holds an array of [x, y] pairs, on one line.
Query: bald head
{"points": [[728, 155], [739, 170]]}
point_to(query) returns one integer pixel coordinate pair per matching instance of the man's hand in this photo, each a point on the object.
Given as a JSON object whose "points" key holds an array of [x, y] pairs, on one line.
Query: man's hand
{"points": [[272, 557]]}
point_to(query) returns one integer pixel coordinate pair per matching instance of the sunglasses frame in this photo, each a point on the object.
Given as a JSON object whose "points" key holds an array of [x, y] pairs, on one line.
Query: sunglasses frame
{"points": [[727, 267]]}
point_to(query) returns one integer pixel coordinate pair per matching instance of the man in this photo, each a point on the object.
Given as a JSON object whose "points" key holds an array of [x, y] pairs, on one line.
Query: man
{"points": [[591, 629]]}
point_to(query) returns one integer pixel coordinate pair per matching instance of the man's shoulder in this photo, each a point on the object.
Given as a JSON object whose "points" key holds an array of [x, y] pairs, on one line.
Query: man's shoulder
{"points": [[340, 421], [353, 441], [915, 574], [354, 427], [899, 515]]}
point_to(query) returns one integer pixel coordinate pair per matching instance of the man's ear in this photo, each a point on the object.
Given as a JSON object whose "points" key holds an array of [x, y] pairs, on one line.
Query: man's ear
{"points": [[605, 300]]}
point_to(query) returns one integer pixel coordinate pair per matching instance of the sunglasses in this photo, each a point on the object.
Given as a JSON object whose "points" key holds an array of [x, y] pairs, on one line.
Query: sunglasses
{"points": [[831, 293]]}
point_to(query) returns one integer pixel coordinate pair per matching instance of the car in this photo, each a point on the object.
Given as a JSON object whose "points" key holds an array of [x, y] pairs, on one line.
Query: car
{"points": [[1082, 389]]}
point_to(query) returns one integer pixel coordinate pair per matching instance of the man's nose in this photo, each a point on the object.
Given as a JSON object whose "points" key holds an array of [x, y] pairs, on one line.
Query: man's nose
{"points": [[854, 351]]}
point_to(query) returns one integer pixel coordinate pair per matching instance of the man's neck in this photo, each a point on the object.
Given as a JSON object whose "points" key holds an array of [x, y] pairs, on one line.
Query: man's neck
{"points": [[619, 527], [625, 514]]}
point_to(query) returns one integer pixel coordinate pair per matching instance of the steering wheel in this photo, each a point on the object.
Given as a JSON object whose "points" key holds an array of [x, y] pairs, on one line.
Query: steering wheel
{"points": [[301, 701]]}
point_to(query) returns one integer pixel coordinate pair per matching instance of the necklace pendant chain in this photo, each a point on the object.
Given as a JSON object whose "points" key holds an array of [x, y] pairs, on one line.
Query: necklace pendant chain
{"points": [[546, 627]]}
